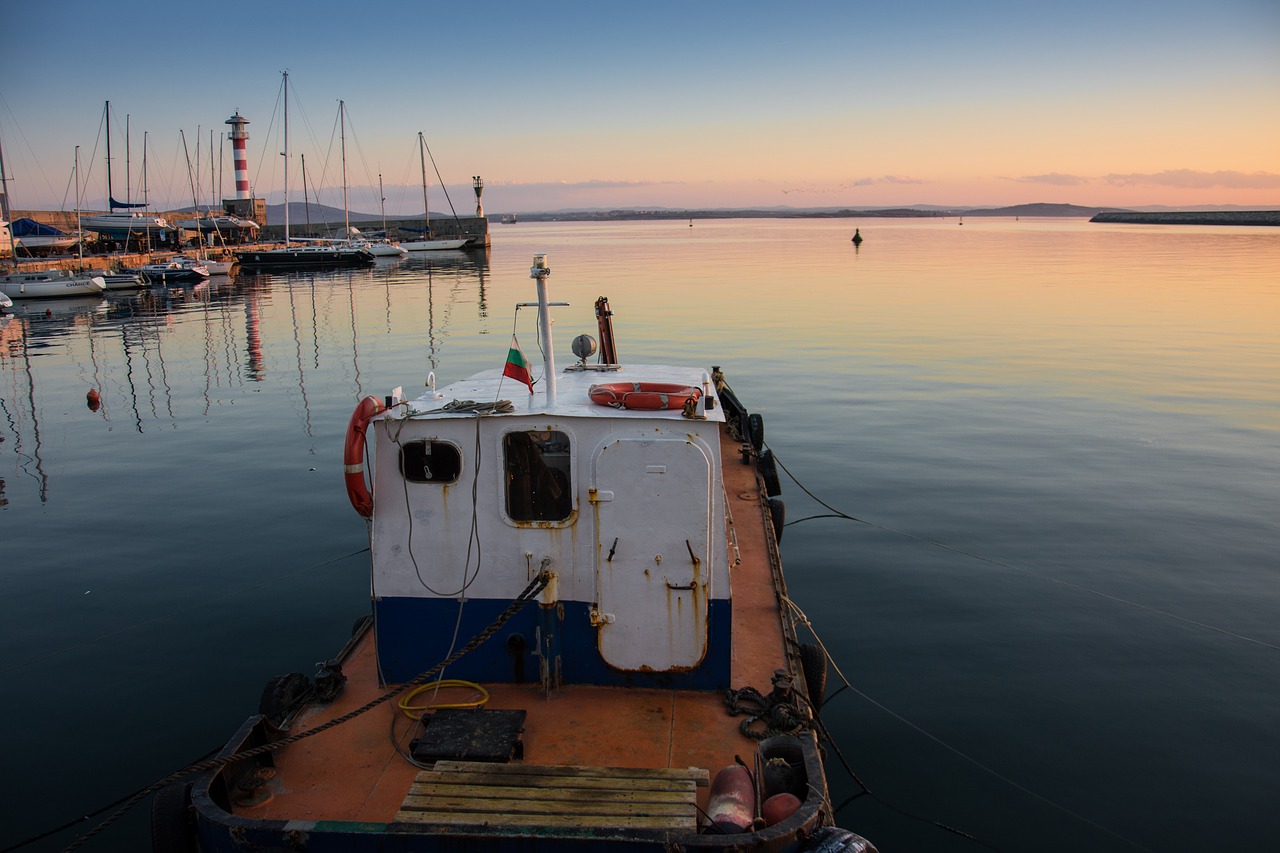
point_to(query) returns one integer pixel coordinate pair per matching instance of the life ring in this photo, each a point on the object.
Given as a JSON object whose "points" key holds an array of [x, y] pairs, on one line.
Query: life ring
{"points": [[643, 395], [353, 454]]}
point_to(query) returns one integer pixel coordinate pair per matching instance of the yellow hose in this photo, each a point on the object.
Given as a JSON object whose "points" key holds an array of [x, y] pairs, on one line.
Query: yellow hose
{"points": [[415, 712]]}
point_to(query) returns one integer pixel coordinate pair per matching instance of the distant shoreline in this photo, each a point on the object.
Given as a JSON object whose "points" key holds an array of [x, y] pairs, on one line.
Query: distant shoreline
{"points": [[1093, 214]]}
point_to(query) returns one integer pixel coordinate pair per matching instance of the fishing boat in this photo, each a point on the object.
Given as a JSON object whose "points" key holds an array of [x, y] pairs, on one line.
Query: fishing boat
{"points": [[292, 257], [428, 243], [633, 678], [41, 284]]}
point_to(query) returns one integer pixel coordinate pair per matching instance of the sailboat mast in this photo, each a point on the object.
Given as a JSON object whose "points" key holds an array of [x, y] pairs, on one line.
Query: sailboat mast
{"points": [[4, 212], [426, 207], [286, 159], [382, 200], [306, 199], [111, 202], [342, 137], [79, 234], [128, 167]]}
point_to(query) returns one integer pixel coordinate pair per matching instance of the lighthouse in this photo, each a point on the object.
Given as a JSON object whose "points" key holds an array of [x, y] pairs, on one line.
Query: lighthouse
{"points": [[239, 147], [243, 205]]}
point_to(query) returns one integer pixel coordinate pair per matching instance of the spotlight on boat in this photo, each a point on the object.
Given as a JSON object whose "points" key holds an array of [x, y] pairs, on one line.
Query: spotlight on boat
{"points": [[584, 346]]}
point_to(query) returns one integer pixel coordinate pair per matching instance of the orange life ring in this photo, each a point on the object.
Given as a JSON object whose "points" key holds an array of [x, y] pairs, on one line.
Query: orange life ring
{"points": [[353, 454], [643, 395]]}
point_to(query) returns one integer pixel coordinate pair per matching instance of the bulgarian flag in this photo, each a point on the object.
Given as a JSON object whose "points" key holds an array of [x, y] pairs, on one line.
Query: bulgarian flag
{"points": [[517, 365]]}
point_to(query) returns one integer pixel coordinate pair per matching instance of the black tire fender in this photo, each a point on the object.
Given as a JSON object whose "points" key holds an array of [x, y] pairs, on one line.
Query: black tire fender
{"points": [[173, 825], [778, 515], [813, 662], [768, 467], [755, 427]]}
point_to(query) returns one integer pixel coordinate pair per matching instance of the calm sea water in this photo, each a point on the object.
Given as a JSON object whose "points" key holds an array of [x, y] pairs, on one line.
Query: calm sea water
{"points": [[1059, 606]]}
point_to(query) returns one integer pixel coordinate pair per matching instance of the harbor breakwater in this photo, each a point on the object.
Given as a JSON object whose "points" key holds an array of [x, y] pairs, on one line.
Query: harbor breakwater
{"points": [[1192, 217]]}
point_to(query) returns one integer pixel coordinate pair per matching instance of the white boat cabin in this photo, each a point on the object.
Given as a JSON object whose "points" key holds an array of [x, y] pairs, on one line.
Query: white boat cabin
{"points": [[625, 507]]}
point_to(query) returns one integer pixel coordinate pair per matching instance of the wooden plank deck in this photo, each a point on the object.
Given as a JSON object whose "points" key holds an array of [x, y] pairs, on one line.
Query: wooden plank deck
{"points": [[477, 793]]}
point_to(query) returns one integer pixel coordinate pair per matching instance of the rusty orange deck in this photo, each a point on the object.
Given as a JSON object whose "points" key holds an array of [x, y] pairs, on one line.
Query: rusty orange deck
{"points": [[352, 772]]}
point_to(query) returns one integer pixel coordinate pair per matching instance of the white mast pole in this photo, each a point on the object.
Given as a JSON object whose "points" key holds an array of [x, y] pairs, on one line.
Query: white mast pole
{"points": [[539, 272], [286, 159]]}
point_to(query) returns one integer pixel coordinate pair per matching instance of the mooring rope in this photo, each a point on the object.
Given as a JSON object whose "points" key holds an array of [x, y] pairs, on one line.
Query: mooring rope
{"points": [[529, 593], [835, 513]]}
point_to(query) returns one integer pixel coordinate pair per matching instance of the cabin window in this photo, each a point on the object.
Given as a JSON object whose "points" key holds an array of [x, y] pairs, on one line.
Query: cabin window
{"points": [[430, 462], [536, 464]]}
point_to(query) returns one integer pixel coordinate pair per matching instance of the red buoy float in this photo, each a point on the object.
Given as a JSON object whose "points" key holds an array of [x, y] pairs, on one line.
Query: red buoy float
{"points": [[643, 395], [779, 807], [353, 454]]}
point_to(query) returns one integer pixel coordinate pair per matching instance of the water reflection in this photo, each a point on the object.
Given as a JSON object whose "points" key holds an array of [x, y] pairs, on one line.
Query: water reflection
{"points": [[166, 359]]}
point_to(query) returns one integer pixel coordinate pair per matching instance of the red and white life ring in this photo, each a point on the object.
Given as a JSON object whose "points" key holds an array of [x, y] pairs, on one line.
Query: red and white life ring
{"points": [[643, 395], [353, 454]]}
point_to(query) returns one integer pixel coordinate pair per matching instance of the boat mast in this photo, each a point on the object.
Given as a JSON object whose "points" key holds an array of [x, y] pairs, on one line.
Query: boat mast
{"points": [[111, 202], [286, 159], [306, 199], [426, 208], [342, 138], [194, 199], [128, 175], [5, 214], [382, 200], [79, 234]]}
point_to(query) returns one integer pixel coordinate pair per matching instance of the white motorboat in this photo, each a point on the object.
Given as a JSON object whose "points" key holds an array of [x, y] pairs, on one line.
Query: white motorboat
{"points": [[432, 245], [123, 280], [45, 283], [176, 269], [219, 267], [5, 301]]}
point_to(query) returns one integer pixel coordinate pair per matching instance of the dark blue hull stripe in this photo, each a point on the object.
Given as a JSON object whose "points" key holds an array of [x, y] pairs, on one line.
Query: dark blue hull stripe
{"points": [[413, 636]]}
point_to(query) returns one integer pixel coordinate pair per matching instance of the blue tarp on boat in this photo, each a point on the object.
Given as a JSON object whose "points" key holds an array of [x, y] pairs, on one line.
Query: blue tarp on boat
{"points": [[30, 228]]}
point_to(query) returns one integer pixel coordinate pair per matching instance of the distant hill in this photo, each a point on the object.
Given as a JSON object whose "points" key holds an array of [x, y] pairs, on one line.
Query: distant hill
{"points": [[300, 212], [1041, 210]]}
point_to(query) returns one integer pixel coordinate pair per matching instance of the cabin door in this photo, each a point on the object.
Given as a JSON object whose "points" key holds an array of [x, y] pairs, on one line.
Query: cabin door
{"points": [[653, 505]]}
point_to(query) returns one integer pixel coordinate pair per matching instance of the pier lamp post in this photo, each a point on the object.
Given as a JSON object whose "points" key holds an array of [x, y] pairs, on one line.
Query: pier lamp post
{"points": [[478, 183]]}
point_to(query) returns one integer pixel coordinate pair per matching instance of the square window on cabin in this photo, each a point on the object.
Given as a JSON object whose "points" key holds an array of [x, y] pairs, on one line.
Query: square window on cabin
{"points": [[536, 463], [430, 462]]}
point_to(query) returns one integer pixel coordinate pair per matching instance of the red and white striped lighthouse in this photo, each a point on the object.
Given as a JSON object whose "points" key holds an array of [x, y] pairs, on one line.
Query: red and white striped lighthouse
{"points": [[239, 147]]}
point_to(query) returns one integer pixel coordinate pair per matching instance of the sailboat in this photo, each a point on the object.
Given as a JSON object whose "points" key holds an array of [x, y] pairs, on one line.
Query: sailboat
{"points": [[43, 283], [427, 244], [306, 256], [122, 221], [352, 238], [209, 265]]}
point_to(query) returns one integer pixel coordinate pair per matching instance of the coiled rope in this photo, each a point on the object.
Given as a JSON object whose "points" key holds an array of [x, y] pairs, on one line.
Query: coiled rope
{"points": [[529, 593]]}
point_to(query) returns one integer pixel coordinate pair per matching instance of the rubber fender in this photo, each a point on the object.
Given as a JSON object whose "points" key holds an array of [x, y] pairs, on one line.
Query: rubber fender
{"points": [[778, 515], [768, 467], [813, 663], [731, 802], [833, 839], [755, 428], [173, 828]]}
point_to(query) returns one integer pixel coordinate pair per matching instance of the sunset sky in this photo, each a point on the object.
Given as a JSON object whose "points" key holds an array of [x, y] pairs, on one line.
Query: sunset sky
{"points": [[690, 104]]}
